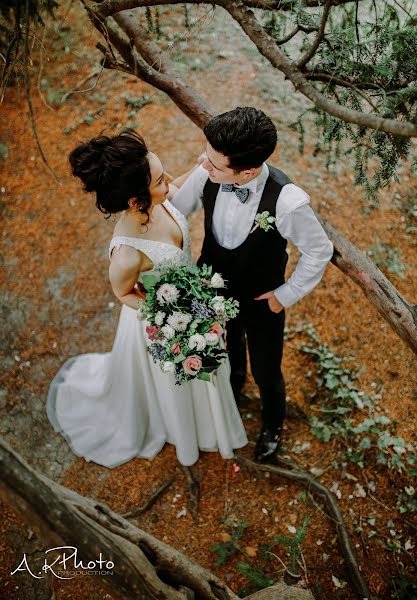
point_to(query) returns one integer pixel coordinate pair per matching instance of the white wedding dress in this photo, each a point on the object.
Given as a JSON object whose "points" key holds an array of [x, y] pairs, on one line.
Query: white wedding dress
{"points": [[113, 407]]}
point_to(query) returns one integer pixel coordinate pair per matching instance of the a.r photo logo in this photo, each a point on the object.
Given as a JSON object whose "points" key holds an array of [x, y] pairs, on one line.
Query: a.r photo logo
{"points": [[62, 562]]}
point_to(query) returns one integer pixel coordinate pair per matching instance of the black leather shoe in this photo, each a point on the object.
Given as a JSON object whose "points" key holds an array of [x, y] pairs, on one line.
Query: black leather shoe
{"points": [[268, 445]]}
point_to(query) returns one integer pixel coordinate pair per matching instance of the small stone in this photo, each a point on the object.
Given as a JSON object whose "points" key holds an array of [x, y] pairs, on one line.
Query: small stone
{"points": [[359, 491], [338, 584], [408, 545], [316, 471]]}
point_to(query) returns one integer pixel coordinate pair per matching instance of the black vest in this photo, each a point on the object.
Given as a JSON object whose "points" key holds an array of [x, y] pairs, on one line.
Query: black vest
{"points": [[258, 264]]}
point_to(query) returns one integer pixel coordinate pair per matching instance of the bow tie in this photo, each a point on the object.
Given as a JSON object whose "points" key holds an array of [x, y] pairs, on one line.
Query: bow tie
{"points": [[241, 193]]}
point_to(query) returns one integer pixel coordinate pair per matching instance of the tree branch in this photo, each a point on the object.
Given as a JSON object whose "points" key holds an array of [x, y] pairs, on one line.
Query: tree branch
{"points": [[325, 77], [267, 47], [111, 7], [26, 79], [152, 72], [288, 37], [310, 483], [138, 36], [319, 38], [400, 314]]}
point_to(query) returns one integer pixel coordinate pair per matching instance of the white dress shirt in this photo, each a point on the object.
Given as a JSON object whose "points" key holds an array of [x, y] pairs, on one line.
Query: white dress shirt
{"points": [[295, 221]]}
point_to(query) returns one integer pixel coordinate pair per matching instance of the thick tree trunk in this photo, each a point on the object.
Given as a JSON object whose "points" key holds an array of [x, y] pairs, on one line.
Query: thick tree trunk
{"points": [[144, 567], [401, 315]]}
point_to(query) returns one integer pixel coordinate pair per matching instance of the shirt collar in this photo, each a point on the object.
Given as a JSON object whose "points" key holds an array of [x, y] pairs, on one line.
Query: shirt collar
{"points": [[255, 184]]}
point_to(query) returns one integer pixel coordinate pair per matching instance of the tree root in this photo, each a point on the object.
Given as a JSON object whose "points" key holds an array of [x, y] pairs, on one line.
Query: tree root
{"points": [[193, 491], [130, 514], [294, 473]]}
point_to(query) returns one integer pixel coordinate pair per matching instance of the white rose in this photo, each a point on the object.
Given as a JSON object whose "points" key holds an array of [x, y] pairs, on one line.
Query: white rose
{"points": [[167, 294], [197, 342], [217, 281], [211, 338], [168, 332], [218, 304], [168, 367], [141, 313], [179, 321], [159, 317]]}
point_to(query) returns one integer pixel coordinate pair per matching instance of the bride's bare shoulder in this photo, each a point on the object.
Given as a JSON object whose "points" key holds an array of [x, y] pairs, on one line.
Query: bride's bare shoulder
{"points": [[126, 257]]}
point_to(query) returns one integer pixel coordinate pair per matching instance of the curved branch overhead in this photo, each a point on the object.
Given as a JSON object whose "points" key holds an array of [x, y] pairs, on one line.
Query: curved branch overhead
{"points": [[145, 60], [241, 11], [278, 59], [110, 7]]}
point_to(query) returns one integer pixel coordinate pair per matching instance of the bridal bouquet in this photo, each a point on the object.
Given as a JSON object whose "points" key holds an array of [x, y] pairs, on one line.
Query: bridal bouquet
{"points": [[186, 318]]}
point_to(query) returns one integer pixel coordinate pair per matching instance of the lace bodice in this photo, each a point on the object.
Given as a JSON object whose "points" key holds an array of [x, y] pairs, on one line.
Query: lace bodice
{"points": [[161, 251]]}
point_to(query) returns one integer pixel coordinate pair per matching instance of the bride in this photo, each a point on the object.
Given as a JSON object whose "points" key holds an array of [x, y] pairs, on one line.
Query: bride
{"points": [[113, 407]]}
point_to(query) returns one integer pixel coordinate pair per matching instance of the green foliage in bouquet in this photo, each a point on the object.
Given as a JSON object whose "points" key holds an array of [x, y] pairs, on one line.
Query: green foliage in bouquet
{"points": [[186, 316]]}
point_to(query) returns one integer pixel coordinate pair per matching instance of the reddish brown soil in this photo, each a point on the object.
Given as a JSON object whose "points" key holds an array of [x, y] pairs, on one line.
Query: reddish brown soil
{"points": [[56, 305]]}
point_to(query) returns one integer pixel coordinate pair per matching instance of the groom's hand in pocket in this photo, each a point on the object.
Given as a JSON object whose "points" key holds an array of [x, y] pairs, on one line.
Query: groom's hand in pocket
{"points": [[274, 305]]}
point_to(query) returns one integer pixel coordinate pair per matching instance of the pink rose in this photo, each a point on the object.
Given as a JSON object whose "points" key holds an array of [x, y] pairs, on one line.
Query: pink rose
{"points": [[176, 348], [216, 328], [192, 364], [152, 331]]}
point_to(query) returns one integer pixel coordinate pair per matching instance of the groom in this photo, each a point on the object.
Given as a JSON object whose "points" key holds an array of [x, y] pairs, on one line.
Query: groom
{"points": [[235, 185]]}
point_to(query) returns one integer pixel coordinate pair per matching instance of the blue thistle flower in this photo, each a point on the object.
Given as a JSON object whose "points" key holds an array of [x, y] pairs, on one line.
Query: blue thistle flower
{"points": [[200, 310], [157, 352]]}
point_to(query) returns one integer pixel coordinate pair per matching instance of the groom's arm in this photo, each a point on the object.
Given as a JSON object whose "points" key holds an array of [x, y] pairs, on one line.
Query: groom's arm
{"points": [[189, 197], [296, 222]]}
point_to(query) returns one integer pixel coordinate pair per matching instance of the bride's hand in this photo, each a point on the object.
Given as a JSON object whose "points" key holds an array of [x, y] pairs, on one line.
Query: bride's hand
{"points": [[201, 158], [140, 290]]}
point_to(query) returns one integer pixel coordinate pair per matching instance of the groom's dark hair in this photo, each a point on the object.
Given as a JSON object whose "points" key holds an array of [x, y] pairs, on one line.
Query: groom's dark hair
{"points": [[246, 135]]}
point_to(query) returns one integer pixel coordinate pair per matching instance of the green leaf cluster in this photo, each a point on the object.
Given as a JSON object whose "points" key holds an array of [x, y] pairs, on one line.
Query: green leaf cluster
{"points": [[375, 54], [225, 550], [353, 418]]}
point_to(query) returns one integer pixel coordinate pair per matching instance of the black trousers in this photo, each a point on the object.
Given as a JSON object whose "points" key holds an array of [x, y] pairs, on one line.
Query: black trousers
{"points": [[262, 331]]}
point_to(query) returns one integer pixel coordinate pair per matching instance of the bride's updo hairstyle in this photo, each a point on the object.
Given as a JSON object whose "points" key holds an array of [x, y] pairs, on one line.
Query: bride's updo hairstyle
{"points": [[116, 169]]}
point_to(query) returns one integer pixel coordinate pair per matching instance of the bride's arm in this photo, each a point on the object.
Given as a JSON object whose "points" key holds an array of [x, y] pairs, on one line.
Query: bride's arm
{"points": [[175, 184], [125, 267]]}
